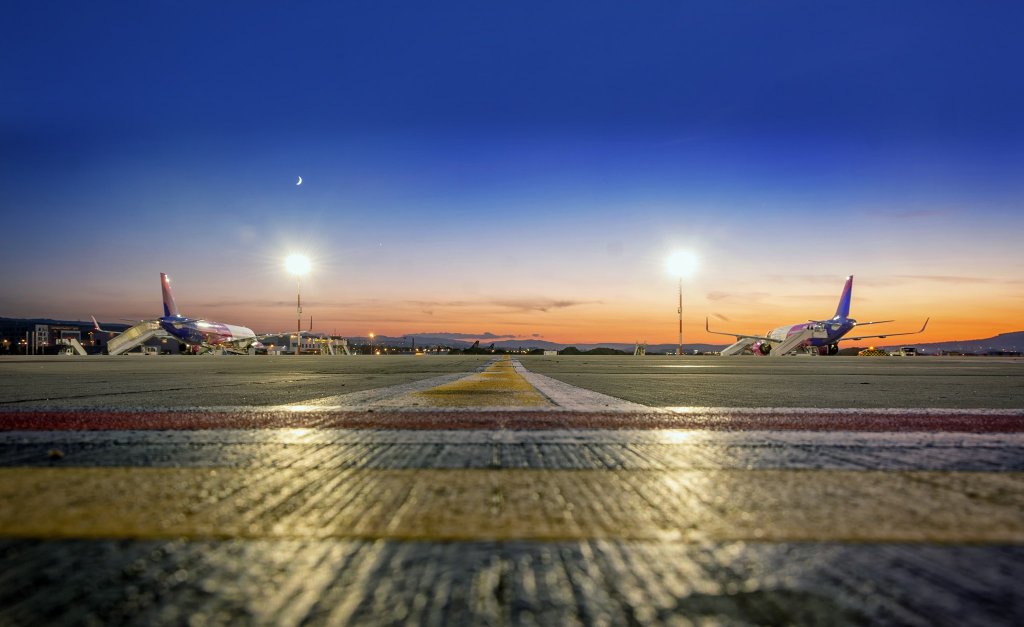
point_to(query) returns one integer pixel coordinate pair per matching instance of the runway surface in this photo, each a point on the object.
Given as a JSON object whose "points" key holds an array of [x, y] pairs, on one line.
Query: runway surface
{"points": [[450, 490], [655, 381]]}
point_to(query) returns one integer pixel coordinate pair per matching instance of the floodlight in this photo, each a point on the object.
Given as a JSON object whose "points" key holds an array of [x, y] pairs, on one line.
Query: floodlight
{"points": [[297, 264], [681, 263]]}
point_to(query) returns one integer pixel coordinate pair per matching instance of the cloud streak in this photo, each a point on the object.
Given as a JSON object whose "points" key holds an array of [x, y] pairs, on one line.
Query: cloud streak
{"points": [[486, 335], [830, 279], [515, 304], [958, 280], [740, 297], [542, 304], [262, 303]]}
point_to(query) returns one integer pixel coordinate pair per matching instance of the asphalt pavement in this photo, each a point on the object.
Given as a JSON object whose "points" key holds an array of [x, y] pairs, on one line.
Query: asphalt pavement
{"points": [[656, 381], [472, 490], [797, 381]]}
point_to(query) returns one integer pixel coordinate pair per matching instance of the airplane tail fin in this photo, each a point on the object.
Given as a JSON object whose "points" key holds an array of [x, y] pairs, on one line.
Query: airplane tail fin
{"points": [[96, 327], [170, 309], [843, 310]]}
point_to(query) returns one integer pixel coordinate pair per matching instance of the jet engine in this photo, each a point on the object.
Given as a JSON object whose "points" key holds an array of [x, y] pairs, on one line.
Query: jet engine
{"points": [[761, 348]]}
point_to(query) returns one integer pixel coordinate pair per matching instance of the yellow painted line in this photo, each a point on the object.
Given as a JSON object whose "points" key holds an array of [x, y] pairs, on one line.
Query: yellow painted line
{"points": [[499, 385], [688, 506]]}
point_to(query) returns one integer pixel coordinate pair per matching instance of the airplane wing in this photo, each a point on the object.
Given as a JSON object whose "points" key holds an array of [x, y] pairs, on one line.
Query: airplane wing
{"points": [[738, 336], [858, 324], [865, 337], [263, 336]]}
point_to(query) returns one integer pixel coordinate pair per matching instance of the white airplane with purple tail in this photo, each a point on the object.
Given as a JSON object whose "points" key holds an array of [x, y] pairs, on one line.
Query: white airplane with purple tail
{"points": [[820, 336], [206, 334]]}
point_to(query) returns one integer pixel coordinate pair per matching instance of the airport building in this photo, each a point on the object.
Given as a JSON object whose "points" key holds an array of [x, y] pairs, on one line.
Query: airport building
{"points": [[43, 336]]}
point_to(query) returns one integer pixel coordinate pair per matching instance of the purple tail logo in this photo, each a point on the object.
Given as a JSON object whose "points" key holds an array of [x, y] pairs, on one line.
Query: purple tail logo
{"points": [[170, 309], [843, 310]]}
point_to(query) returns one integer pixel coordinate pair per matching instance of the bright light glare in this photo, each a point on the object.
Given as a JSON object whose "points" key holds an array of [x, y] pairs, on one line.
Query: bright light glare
{"points": [[681, 263], [297, 264], [676, 436]]}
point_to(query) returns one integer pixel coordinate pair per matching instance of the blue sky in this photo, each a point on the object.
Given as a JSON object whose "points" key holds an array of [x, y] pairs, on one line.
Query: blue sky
{"points": [[459, 156]]}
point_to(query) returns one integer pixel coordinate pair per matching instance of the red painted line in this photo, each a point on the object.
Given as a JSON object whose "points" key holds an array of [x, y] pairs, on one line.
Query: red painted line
{"points": [[102, 420]]}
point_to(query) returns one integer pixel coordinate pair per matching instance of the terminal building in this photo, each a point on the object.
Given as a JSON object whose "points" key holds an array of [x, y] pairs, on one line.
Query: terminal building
{"points": [[43, 336]]}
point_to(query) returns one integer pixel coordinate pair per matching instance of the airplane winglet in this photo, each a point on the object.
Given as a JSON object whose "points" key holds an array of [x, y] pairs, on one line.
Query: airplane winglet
{"points": [[96, 326], [738, 336]]}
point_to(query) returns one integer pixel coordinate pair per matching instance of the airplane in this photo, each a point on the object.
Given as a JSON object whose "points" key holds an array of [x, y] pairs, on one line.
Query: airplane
{"points": [[206, 334], [821, 336], [203, 333]]}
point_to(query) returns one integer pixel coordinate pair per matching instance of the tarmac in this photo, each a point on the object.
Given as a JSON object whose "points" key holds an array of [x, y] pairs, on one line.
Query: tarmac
{"points": [[655, 381], [534, 490]]}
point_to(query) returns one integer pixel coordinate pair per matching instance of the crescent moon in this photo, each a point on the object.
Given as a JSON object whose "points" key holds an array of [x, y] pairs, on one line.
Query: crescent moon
{"points": [[300, 181]]}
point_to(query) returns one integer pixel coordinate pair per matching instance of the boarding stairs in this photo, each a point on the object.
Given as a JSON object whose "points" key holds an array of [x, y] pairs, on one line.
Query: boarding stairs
{"points": [[337, 346], [73, 346], [793, 342], [327, 346], [738, 347], [135, 336]]}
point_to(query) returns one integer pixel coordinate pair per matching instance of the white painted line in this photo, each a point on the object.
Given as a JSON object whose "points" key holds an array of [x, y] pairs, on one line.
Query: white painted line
{"points": [[366, 399], [570, 397], [402, 396]]}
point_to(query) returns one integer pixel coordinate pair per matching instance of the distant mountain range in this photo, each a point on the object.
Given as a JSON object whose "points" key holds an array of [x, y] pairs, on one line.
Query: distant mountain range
{"points": [[1005, 342], [532, 343], [1012, 342]]}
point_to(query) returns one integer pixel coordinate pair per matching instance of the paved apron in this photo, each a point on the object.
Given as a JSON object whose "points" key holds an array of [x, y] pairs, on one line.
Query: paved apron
{"points": [[505, 497]]}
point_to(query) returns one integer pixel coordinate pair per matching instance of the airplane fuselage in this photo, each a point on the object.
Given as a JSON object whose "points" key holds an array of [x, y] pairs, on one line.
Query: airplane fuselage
{"points": [[206, 332], [830, 332]]}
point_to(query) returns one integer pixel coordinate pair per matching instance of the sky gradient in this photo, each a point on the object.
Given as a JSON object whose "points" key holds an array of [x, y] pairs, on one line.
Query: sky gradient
{"points": [[520, 169]]}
